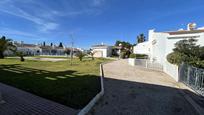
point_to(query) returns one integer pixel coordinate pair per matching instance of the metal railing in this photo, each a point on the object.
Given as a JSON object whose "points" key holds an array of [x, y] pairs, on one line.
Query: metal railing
{"points": [[193, 77]]}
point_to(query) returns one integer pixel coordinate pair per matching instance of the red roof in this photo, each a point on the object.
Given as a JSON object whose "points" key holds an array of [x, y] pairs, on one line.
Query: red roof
{"points": [[185, 32]]}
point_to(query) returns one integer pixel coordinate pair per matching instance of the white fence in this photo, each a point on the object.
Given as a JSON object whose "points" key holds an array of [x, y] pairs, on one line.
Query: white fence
{"points": [[170, 69], [148, 64]]}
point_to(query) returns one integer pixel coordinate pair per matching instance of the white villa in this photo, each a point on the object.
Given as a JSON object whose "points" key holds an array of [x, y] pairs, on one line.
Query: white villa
{"points": [[160, 44], [102, 50]]}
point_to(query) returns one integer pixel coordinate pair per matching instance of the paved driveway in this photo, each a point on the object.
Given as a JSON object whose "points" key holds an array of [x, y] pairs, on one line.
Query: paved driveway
{"points": [[137, 91]]}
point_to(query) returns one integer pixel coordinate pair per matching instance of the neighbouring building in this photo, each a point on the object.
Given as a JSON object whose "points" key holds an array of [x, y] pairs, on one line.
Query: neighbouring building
{"points": [[160, 44], [102, 50], [41, 49], [28, 49], [52, 50]]}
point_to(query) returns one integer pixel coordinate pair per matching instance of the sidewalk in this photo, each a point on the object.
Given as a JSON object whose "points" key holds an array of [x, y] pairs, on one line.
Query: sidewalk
{"points": [[19, 102]]}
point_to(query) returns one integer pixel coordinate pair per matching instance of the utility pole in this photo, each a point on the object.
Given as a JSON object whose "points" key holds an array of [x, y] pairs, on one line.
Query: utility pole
{"points": [[72, 45]]}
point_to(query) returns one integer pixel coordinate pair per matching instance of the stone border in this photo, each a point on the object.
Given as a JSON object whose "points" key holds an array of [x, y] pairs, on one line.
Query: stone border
{"points": [[89, 106]]}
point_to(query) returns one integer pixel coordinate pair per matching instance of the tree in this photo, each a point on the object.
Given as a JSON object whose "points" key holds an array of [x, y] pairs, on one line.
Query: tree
{"points": [[60, 45], [126, 48], [51, 44], [92, 54], [80, 55], [44, 44], [187, 51], [67, 51], [140, 38], [6, 44], [20, 54], [126, 45]]}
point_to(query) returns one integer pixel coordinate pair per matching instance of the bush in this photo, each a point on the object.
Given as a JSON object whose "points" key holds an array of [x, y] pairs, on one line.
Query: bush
{"points": [[132, 56], [21, 55], [141, 56], [80, 55], [122, 55]]}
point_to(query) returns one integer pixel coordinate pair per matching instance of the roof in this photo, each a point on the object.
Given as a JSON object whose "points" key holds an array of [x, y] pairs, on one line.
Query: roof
{"points": [[51, 47], [74, 49], [25, 45], [185, 32], [100, 46]]}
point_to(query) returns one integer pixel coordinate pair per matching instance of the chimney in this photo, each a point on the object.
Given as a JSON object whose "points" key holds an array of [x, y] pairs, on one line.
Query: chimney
{"points": [[191, 26]]}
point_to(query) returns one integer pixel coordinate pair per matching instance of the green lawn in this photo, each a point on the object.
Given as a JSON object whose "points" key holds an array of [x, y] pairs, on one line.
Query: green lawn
{"points": [[73, 86]]}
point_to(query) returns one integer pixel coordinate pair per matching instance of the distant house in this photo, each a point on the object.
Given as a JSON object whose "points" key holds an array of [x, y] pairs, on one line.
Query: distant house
{"points": [[52, 50], [28, 49], [74, 50], [32, 49], [102, 50]]}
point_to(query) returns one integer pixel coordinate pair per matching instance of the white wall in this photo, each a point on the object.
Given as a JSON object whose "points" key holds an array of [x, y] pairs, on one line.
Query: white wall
{"points": [[171, 70], [158, 46], [106, 52], [142, 48]]}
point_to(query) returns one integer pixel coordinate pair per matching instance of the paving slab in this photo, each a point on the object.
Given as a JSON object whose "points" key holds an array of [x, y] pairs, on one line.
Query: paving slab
{"points": [[18, 102]]}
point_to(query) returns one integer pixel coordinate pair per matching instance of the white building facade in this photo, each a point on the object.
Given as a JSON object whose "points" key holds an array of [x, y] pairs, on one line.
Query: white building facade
{"points": [[102, 50], [160, 44]]}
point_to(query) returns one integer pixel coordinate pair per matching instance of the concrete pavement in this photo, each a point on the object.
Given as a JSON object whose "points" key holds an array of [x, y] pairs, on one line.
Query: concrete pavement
{"points": [[137, 91]]}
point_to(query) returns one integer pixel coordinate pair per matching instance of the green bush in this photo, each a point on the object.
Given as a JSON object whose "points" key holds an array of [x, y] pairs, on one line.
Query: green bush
{"points": [[122, 55], [132, 56], [141, 56], [80, 55], [188, 52]]}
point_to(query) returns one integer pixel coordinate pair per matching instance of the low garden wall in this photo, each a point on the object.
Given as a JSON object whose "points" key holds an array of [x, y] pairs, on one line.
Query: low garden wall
{"points": [[90, 105]]}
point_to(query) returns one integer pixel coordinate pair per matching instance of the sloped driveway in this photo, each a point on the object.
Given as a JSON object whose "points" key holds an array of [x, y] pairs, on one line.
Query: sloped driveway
{"points": [[137, 91]]}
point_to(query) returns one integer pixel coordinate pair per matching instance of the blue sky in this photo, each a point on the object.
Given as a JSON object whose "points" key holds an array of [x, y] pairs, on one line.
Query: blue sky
{"points": [[94, 21]]}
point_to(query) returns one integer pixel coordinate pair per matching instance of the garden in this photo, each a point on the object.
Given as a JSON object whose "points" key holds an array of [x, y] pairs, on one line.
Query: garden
{"points": [[72, 85]]}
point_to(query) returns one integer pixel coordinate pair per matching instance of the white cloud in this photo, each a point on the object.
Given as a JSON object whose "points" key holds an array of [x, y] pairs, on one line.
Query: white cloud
{"points": [[43, 24], [97, 2], [7, 31], [44, 16]]}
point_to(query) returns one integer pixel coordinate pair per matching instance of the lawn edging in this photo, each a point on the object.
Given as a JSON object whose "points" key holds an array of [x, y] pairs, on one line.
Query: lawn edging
{"points": [[90, 105]]}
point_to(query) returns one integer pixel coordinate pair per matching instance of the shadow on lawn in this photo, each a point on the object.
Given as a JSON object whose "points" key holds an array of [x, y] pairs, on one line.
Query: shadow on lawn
{"points": [[66, 87]]}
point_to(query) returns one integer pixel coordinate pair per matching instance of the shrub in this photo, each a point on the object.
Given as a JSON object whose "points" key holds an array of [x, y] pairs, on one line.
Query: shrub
{"points": [[80, 55], [132, 56], [141, 56], [21, 55], [122, 55]]}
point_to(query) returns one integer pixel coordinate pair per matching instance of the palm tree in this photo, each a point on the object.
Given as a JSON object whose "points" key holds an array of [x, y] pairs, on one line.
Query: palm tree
{"points": [[92, 54], [80, 55], [6, 44], [140, 38], [20, 54]]}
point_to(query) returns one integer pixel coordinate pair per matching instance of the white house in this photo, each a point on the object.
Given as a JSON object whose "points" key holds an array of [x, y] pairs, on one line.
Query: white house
{"points": [[160, 44], [28, 49], [102, 50]]}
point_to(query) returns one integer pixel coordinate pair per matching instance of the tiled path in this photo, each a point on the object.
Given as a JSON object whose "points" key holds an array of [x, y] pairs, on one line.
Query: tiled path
{"points": [[137, 91], [19, 102]]}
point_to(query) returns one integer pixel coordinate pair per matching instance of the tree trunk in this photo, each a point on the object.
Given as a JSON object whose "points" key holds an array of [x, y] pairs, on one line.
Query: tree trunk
{"points": [[22, 59], [1, 55]]}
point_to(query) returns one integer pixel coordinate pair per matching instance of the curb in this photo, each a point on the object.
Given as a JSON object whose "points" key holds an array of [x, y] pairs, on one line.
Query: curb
{"points": [[90, 105]]}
